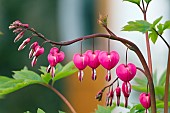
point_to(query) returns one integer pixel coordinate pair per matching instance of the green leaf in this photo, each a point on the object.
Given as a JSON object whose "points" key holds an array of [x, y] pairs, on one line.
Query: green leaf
{"points": [[27, 112], [12, 85], [141, 81], [162, 79], [160, 29], [134, 1], [138, 25], [156, 22], [153, 36], [159, 91], [166, 25], [139, 88], [61, 112], [67, 70], [161, 104], [148, 1], [25, 74], [137, 109], [40, 111], [46, 77], [101, 109]]}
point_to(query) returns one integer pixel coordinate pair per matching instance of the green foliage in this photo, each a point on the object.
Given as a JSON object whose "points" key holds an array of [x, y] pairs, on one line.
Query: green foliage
{"points": [[26, 77], [1, 33], [67, 70], [148, 1], [138, 25], [102, 109], [134, 1], [40, 111]]}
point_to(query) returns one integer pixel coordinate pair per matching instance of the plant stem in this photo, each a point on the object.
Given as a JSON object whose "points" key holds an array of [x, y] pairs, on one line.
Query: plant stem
{"points": [[148, 47], [61, 96], [167, 85]]}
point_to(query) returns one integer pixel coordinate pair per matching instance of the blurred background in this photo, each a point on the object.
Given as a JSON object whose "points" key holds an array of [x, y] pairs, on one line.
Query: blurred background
{"points": [[62, 20]]}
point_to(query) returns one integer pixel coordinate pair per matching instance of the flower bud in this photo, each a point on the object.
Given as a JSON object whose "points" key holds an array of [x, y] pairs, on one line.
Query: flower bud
{"points": [[19, 36], [126, 89], [118, 94], [99, 95], [24, 43]]}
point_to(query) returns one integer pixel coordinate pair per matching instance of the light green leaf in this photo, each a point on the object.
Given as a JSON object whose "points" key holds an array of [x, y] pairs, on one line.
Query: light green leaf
{"points": [[27, 112], [161, 105], [156, 22], [43, 69], [141, 81], [138, 25], [148, 1], [46, 77], [134, 1], [160, 29], [166, 25], [61, 112], [67, 70], [153, 36], [101, 109], [162, 79], [25, 74], [40, 111], [139, 88], [12, 85], [137, 109], [159, 91]]}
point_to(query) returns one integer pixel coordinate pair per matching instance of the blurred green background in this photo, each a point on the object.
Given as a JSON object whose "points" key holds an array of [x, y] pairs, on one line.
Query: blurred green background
{"points": [[43, 16]]}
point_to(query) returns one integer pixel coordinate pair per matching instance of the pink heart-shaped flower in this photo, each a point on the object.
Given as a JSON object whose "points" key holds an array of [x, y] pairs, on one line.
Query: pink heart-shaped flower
{"points": [[145, 100], [107, 60], [80, 61], [126, 72], [93, 58]]}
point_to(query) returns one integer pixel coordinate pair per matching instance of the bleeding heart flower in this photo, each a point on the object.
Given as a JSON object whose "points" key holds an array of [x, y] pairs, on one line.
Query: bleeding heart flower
{"points": [[126, 89], [80, 61], [126, 72], [118, 94], [93, 61], [145, 100], [55, 56], [108, 61]]}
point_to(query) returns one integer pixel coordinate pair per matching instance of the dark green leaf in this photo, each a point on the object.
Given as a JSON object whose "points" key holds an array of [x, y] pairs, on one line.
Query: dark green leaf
{"points": [[101, 109], [138, 25], [162, 79], [139, 88], [153, 36], [67, 70], [40, 111], [148, 1], [156, 21], [134, 1]]}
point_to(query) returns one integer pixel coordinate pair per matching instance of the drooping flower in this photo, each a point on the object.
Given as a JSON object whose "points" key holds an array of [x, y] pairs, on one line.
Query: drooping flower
{"points": [[93, 61], [118, 94], [55, 56], [145, 100], [126, 72], [80, 61], [108, 61], [126, 89], [109, 98]]}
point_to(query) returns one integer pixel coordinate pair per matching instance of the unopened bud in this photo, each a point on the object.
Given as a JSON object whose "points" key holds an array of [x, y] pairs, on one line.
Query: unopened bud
{"points": [[19, 36], [24, 43]]}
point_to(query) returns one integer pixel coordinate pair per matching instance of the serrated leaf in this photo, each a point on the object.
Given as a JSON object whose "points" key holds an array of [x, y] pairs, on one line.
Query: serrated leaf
{"points": [[148, 1], [40, 111], [162, 79], [101, 109], [25, 74], [134, 1], [156, 21], [61, 112], [139, 88], [138, 25], [153, 36], [10, 85], [67, 70]]}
